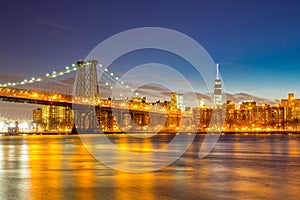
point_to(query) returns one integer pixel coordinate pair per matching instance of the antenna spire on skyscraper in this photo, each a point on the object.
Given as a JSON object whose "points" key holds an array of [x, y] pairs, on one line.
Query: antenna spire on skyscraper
{"points": [[217, 70]]}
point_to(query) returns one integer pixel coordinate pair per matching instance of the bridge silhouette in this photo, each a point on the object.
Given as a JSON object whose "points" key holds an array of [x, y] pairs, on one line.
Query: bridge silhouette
{"points": [[82, 94]]}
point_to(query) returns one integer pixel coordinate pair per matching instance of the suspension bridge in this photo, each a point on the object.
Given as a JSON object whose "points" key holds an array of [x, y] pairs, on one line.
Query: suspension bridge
{"points": [[79, 88], [49, 89]]}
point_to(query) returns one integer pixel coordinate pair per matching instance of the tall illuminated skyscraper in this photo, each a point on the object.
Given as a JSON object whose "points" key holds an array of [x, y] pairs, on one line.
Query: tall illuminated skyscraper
{"points": [[177, 101], [218, 101], [173, 105]]}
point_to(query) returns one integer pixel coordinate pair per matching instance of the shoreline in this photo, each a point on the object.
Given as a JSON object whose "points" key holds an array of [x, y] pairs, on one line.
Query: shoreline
{"points": [[164, 132]]}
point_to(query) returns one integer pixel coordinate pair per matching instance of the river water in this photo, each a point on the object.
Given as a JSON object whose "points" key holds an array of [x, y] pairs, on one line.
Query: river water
{"points": [[239, 167]]}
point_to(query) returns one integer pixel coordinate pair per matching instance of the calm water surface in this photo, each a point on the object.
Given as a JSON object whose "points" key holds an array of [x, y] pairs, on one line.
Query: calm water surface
{"points": [[239, 167]]}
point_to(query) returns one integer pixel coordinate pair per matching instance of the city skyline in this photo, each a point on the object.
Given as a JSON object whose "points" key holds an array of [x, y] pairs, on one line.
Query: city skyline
{"points": [[58, 110], [255, 42], [10, 111]]}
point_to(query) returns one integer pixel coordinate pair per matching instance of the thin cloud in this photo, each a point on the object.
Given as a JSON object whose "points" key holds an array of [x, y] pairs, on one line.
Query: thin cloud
{"points": [[247, 89], [53, 25]]}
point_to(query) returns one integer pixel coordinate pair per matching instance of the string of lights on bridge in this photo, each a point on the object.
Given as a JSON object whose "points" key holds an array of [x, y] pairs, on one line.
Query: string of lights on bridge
{"points": [[67, 70], [115, 79], [54, 74]]}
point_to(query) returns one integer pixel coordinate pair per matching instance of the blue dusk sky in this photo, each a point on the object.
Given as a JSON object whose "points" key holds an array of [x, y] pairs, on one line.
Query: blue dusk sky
{"points": [[256, 42]]}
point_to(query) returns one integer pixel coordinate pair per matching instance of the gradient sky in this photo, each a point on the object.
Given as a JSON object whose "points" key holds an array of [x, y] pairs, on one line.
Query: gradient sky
{"points": [[257, 42]]}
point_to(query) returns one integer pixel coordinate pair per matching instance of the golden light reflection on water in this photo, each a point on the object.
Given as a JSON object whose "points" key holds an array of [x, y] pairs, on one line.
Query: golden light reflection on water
{"points": [[127, 186], [45, 159], [59, 167], [144, 146], [294, 147], [14, 166], [84, 176]]}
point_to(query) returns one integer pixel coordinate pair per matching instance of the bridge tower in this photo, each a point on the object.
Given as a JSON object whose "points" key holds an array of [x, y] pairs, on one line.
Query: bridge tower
{"points": [[87, 81], [86, 91]]}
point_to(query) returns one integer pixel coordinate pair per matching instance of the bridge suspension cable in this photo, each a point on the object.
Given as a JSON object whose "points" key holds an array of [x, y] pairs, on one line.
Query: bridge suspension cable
{"points": [[54, 74], [109, 81]]}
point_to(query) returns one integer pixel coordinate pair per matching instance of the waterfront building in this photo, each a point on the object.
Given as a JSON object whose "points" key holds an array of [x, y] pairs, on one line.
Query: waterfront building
{"points": [[230, 116], [53, 118], [37, 115], [37, 119], [291, 112], [139, 115], [202, 117]]}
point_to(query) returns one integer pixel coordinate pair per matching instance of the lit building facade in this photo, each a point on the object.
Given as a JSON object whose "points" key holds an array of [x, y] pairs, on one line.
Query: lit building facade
{"points": [[53, 118], [202, 117], [248, 116], [291, 112], [139, 115], [37, 119], [177, 101], [173, 102], [218, 100]]}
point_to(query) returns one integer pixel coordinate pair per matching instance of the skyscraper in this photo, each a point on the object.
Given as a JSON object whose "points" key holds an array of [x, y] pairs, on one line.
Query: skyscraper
{"points": [[177, 101], [173, 105], [218, 101]]}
